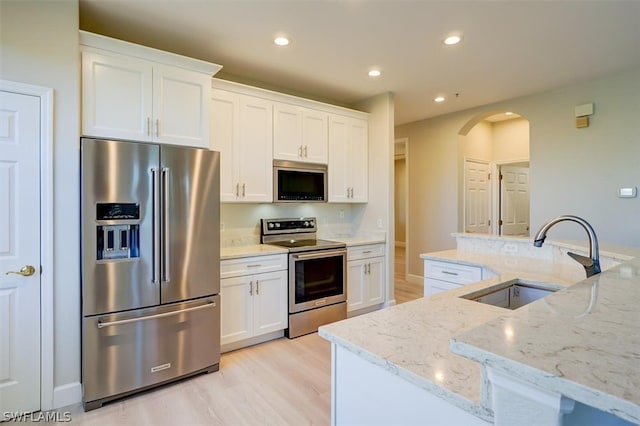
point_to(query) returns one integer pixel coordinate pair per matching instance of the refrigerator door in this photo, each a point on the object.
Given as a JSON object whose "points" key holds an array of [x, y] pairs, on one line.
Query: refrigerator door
{"points": [[117, 199], [130, 351], [190, 242]]}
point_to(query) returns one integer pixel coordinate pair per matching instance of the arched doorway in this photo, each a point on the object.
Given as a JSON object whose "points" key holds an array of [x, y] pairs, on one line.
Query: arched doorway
{"points": [[494, 174]]}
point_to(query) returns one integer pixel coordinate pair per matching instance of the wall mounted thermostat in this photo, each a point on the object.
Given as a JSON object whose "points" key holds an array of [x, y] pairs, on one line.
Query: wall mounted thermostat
{"points": [[627, 192]]}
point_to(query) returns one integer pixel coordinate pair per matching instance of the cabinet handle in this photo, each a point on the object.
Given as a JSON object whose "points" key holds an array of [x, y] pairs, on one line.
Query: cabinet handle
{"points": [[237, 189], [243, 191], [366, 252], [157, 127], [305, 151], [256, 265], [257, 287], [300, 151], [250, 288], [450, 273]]}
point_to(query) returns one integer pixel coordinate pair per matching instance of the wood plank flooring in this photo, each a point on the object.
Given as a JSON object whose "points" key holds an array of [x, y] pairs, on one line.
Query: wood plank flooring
{"points": [[281, 382]]}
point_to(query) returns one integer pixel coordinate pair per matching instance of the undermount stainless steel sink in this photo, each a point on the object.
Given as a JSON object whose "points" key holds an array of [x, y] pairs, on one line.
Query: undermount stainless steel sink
{"points": [[512, 294]]}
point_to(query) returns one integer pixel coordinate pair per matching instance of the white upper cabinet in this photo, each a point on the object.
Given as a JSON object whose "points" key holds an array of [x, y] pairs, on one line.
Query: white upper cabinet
{"points": [[348, 159], [242, 130], [299, 134], [138, 93]]}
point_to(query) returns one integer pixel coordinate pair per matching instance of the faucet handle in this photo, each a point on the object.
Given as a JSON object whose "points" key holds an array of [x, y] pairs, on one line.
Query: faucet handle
{"points": [[583, 260]]}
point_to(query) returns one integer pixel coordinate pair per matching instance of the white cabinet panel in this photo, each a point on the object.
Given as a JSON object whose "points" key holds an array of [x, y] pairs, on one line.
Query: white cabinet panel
{"points": [[241, 129], [441, 276], [365, 276], [300, 134], [348, 160], [125, 96], [253, 302], [116, 96]]}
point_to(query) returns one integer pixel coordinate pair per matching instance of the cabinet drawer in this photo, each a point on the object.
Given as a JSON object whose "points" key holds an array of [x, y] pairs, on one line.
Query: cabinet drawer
{"points": [[252, 265], [452, 272], [432, 286], [365, 252]]}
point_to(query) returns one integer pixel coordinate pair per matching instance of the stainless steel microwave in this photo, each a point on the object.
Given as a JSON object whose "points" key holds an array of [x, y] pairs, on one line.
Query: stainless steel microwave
{"points": [[295, 182]]}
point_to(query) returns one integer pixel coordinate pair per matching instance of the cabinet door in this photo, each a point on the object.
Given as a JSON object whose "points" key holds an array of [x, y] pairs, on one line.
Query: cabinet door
{"points": [[375, 281], [358, 160], [116, 96], [287, 132], [256, 150], [356, 284], [348, 160], [339, 191], [225, 139], [270, 302], [315, 136], [236, 309], [181, 100]]}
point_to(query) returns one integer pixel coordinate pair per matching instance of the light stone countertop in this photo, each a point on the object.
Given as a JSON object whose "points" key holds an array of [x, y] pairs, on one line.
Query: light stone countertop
{"points": [[357, 240], [412, 340], [233, 252]]}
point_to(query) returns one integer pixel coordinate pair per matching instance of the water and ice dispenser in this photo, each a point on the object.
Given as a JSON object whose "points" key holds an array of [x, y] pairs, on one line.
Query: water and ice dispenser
{"points": [[118, 231]]}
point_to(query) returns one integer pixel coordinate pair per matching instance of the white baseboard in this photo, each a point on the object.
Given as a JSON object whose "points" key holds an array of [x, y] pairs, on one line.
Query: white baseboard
{"points": [[68, 394]]}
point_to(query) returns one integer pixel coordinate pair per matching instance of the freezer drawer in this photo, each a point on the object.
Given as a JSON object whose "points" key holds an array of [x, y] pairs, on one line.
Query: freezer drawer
{"points": [[127, 352]]}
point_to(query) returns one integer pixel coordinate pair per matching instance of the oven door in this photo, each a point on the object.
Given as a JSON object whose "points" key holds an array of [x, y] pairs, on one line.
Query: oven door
{"points": [[316, 279]]}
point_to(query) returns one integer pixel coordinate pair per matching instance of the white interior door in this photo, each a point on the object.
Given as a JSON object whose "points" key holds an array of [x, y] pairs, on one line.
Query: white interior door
{"points": [[514, 200], [476, 197], [19, 253]]}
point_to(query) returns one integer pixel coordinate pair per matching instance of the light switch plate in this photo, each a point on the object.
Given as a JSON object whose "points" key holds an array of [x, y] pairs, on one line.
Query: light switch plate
{"points": [[630, 192]]}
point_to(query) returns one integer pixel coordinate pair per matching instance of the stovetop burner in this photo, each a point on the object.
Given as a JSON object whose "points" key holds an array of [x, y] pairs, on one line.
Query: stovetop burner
{"points": [[297, 234]]}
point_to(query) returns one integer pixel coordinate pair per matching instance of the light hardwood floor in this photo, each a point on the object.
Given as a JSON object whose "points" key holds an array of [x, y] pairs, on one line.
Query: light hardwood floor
{"points": [[281, 382], [404, 290]]}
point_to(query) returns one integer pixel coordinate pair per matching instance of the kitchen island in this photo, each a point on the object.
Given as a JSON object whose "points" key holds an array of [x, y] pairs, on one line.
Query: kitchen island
{"points": [[442, 359]]}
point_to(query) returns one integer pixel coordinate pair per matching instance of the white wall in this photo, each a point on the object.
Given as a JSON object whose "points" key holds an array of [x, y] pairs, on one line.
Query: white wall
{"points": [[40, 47], [510, 140], [573, 171]]}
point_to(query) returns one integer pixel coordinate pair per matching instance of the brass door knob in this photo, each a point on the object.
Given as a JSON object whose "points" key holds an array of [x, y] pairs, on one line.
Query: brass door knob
{"points": [[25, 271]]}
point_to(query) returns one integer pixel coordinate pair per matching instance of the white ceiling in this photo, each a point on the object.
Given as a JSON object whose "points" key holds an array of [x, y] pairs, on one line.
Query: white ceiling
{"points": [[510, 48]]}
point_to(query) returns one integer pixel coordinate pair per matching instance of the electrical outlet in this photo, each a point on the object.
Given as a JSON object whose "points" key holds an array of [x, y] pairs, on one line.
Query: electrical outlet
{"points": [[341, 214], [380, 223], [221, 226]]}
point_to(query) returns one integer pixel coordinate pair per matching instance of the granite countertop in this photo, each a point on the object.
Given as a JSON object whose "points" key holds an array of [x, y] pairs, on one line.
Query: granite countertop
{"points": [[412, 340], [233, 252], [583, 342], [355, 240]]}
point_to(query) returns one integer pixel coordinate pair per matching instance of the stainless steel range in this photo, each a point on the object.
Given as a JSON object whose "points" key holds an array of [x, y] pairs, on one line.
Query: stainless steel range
{"points": [[317, 273]]}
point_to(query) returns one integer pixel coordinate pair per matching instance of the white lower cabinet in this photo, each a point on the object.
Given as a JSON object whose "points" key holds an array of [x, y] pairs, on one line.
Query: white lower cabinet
{"points": [[442, 276], [253, 303], [365, 276]]}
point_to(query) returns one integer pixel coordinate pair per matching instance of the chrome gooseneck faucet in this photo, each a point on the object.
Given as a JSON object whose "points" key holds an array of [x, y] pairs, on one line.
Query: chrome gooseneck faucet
{"points": [[592, 263]]}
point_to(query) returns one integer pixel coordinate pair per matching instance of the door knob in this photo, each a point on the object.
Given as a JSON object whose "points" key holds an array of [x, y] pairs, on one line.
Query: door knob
{"points": [[25, 271]]}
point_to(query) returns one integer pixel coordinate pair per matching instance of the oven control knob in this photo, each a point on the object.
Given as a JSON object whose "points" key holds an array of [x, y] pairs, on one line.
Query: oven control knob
{"points": [[270, 225], [311, 223], [277, 225], [306, 224]]}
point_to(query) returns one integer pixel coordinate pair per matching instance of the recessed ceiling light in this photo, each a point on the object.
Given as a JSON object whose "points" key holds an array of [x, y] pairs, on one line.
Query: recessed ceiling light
{"points": [[452, 39], [374, 73], [439, 99], [281, 41]]}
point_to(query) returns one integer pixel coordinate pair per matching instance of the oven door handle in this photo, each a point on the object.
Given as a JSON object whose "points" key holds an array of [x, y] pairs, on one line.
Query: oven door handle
{"points": [[321, 254]]}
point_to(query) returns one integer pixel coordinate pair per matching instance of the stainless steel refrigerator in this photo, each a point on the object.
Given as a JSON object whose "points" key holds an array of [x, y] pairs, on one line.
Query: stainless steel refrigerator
{"points": [[150, 266]]}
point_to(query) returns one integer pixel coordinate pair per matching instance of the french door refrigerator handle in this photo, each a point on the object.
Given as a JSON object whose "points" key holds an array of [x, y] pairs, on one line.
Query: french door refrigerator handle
{"points": [[155, 203], [148, 317], [166, 274]]}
